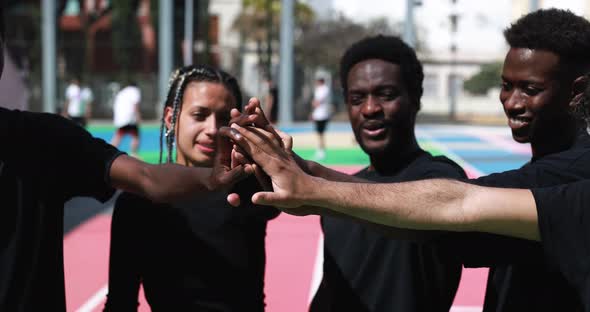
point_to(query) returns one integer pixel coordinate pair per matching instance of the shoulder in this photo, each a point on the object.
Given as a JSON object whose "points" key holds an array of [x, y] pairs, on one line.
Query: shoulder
{"points": [[438, 167]]}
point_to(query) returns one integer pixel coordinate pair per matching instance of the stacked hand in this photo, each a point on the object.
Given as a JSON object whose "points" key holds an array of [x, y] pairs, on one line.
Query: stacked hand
{"points": [[259, 147]]}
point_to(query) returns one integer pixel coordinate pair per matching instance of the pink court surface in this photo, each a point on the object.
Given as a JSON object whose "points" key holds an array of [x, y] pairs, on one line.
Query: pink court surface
{"points": [[294, 244]]}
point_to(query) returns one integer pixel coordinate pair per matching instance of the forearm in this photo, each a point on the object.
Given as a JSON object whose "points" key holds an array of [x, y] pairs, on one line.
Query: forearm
{"points": [[420, 205], [438, 204], [159, 183]]}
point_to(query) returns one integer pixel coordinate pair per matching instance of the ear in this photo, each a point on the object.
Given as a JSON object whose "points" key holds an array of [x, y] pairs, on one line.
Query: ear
{"points": [[578, 87], [168, 117]]}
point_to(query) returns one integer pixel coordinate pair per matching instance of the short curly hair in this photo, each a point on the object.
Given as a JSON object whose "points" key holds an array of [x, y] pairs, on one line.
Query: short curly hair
{"points": [[559, 31], [390, 49]]}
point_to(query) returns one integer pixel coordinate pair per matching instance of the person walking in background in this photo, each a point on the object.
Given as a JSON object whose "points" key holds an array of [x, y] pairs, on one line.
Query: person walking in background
{"points": [[127, 116], [320, 114], [271, 101], [77, 103]]}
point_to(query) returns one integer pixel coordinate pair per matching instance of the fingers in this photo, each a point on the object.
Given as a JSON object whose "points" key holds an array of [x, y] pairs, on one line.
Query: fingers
{"points": [[223, 151], [268, 199], [234, 199], [261, 139], [285, 138], [232, 176]]}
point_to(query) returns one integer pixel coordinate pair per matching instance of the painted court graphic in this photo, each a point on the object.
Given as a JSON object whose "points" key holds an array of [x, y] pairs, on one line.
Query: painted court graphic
{"points": [[294, 244]]}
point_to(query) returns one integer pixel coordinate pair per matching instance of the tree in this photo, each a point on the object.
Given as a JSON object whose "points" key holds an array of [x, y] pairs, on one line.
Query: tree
{"points": [[126, 37], [487, 78], [259, 21]]}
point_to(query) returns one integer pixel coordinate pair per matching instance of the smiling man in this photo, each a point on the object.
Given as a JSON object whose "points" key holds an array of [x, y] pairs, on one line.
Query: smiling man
{"points": [[542, 94], [365, 270]]}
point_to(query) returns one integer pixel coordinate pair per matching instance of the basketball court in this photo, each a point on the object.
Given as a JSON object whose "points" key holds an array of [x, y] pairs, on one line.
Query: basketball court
{"points": [[294, 244]]}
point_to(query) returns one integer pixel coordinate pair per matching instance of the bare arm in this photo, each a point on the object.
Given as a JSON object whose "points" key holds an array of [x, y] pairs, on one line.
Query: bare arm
{"points": [[170, 182], [433, 205], [422, 205]]}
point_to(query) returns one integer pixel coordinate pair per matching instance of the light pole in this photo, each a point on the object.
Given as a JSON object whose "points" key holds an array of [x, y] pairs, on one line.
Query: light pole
{"points": [[409, 28], [49, 60], [286, 63], [454, 19]]}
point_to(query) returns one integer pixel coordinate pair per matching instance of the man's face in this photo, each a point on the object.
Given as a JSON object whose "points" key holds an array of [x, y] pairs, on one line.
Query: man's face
{"points": [[380, 111], [534, 99]]}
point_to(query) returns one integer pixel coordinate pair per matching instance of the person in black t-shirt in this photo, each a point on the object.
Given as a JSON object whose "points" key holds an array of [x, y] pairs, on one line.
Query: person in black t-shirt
{"points": [[45, 160], [363, 269], [543, 78], [199, 255]]}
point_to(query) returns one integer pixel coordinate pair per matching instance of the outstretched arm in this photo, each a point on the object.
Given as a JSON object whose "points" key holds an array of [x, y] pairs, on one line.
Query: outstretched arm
{"points": [[422, 205], [170, 182]]}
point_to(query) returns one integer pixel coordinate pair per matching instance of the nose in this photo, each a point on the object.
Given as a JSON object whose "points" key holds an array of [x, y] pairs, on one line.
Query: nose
{"points": [[371, 107], [513, 101], [211, 125]]}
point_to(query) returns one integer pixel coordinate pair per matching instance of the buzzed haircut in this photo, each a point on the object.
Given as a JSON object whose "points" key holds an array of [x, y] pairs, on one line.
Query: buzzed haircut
{"points": [[390, 49], [559, 31]]}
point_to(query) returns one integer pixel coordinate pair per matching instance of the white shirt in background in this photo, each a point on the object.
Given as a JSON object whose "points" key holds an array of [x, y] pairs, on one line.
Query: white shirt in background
{"points": [[124, 106], [73, 96], [324, 109]]}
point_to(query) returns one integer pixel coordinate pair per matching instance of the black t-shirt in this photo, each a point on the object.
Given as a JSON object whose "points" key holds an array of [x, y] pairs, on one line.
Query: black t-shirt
{"points": [[564, 223], [44, 161], [519, 278], [194, 256], [367, 271]]}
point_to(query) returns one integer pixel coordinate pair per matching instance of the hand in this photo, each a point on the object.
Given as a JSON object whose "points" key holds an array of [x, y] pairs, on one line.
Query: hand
{"points": [[224, 175], [290, 184]]}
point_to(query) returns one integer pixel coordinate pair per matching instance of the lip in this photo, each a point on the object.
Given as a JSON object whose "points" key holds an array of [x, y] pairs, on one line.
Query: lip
{"points": [[373, 129], [518, 122], [206, 148]]}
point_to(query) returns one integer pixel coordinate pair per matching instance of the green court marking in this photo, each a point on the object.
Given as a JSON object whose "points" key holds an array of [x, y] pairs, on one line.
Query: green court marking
{"points": [[353, 156], [110, 129]]}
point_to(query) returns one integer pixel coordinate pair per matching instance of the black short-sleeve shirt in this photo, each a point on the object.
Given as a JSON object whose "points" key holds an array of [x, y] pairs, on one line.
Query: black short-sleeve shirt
{"points": [[519, 278], [564, 223], [44, 161], [365, 270], [196, 256]]}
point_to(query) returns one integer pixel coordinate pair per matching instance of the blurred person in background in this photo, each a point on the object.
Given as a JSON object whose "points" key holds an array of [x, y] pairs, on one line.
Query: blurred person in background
{"points": [[271, 101], [127, 116], [77, 106], [320, 114]]}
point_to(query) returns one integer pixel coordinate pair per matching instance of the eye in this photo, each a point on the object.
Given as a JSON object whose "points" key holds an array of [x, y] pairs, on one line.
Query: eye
{"points": [[199, 116], [355, 98], [387, 94], [532, 91], [506, 86]]}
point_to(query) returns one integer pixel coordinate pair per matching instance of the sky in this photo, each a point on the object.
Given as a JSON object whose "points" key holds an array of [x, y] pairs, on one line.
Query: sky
{"points": [[480, 23]]}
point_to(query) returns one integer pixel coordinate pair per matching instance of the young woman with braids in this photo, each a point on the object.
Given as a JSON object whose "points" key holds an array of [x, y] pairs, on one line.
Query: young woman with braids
{"points": [[194, 256]]}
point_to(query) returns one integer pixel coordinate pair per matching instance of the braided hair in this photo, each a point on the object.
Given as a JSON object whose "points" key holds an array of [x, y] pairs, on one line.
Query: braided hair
{"points": [[177, 84]]}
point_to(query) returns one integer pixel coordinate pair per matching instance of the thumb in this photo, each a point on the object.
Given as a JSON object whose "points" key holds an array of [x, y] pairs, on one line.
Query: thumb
{"points": [[267, 199]]}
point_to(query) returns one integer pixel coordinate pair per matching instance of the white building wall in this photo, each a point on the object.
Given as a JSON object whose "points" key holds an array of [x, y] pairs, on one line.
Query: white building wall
{"points": [[229, 40]]}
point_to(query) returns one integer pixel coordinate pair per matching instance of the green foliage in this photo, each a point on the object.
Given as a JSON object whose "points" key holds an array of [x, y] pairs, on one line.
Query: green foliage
{"points": [[487, 78]]}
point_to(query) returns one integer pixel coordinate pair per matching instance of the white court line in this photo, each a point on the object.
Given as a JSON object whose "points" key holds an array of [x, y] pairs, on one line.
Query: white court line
{"points": [[95, 300], [318, 269], [466, 309]]}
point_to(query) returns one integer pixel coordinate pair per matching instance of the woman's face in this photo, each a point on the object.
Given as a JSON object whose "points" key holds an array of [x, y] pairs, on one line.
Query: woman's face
{"points": [[206, 106]]}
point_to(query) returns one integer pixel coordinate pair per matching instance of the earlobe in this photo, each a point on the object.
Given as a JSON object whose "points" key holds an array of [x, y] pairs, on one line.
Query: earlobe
{"points": [[168, 118]]}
